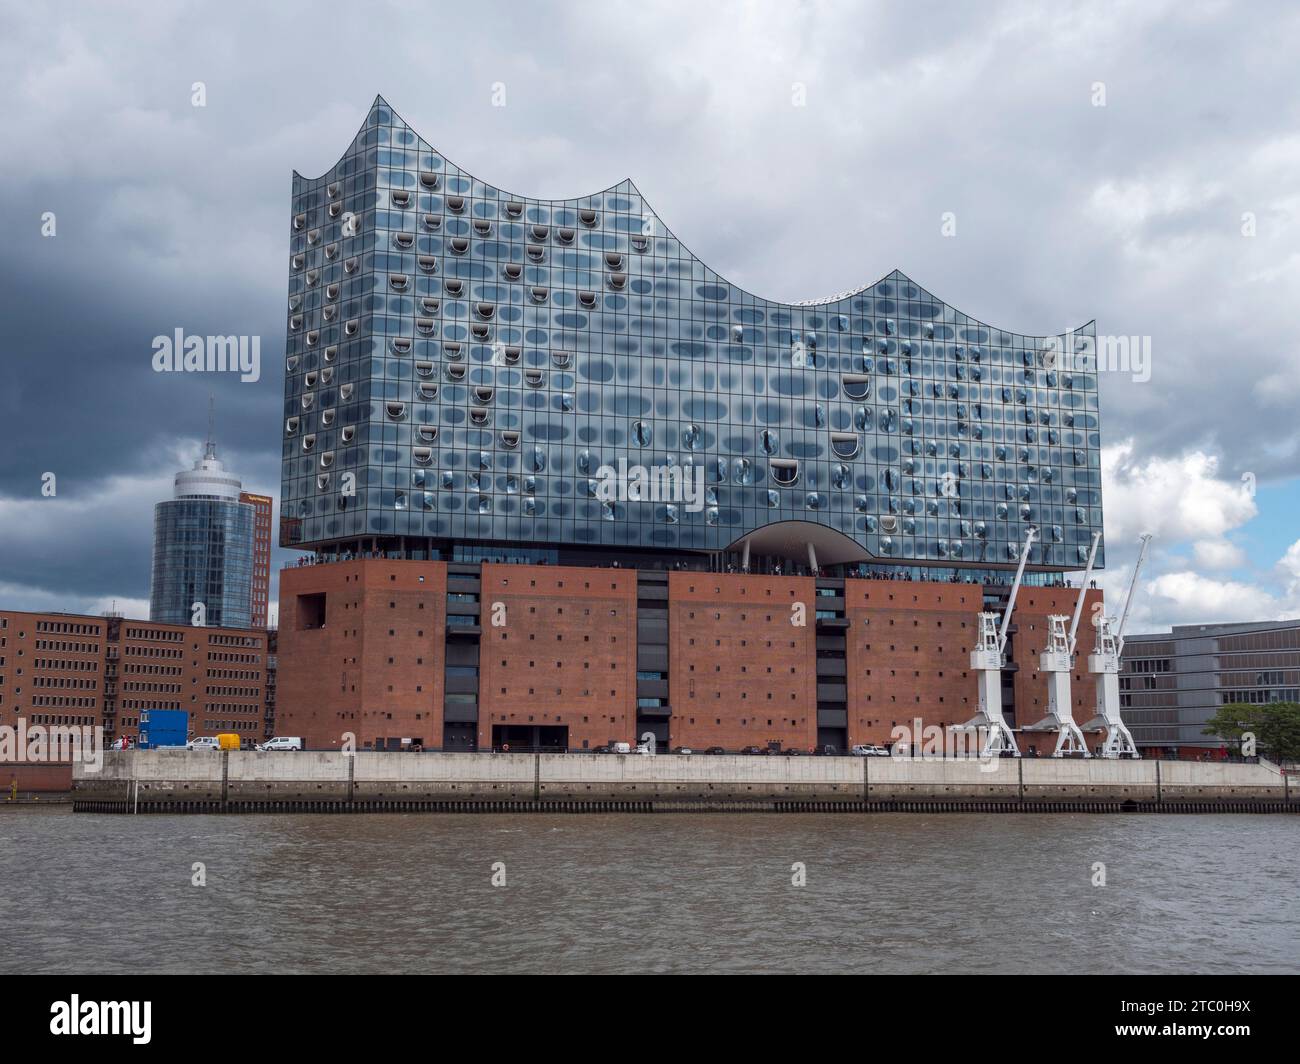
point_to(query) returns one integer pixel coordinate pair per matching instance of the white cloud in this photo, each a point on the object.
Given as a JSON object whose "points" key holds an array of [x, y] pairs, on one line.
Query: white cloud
{"points": [[1188, 503], [1280, 389], [1218, 554], [1289, 567], [1176, 499], [1184, 596], [1192, 598]]}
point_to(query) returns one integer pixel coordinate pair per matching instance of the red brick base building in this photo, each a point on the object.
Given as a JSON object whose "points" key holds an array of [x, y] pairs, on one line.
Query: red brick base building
{"points": [[461, 656]]}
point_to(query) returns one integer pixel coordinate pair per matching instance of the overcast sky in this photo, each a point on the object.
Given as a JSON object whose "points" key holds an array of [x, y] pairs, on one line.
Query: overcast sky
{"points": [[1134, 163]]}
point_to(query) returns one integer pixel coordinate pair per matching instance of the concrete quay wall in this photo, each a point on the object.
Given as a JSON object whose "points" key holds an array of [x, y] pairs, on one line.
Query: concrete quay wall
{"points": [[309, 778]]}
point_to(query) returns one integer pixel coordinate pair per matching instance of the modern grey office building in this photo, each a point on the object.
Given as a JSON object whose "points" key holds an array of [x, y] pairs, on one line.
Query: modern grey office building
{"points": [[473, 373], [203, 549], [1171, 683]]}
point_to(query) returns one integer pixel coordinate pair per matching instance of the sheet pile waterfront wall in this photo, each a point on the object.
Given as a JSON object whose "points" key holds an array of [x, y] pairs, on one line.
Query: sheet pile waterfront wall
{"points": [[173, 778]]}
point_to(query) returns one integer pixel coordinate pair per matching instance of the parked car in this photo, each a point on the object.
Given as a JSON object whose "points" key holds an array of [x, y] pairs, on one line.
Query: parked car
{"points": [[715, 750], [752, 750], [620, 748], [792, 752], [282, 742], [203, 742], [683, 750], [122, 742], [870, 751]]}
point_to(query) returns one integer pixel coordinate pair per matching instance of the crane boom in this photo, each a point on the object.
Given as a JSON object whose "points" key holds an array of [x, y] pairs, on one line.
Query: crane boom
{"points": [[1105, 664], [1128, 602], [1083, 591], [1015, 589]]}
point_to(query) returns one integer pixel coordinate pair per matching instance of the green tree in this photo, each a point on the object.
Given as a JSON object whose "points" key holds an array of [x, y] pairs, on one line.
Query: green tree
{"points": [[1275, 726]]}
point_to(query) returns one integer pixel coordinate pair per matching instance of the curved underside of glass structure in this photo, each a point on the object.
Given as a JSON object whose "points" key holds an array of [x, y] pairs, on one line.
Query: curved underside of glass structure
{"points": [[468, 365]]}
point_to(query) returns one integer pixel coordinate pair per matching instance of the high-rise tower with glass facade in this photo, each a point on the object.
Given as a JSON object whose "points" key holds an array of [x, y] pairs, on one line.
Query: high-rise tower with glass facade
{"points": [[203, 549]]}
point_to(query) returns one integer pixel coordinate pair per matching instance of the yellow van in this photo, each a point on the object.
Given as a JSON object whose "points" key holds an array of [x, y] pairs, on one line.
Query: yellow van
{"points": [[228, 741]]}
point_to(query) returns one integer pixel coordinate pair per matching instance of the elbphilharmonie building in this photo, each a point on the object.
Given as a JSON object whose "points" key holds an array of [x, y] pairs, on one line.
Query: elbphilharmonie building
{"points": [[465, 364], [564, 486]]}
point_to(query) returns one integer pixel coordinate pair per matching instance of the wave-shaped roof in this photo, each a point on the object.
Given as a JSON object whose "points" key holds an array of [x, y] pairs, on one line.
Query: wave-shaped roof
{"points": [[383, 113]]}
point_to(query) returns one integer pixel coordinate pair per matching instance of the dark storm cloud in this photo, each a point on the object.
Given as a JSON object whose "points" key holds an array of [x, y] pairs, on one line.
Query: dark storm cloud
{"points": [[172, 216]]}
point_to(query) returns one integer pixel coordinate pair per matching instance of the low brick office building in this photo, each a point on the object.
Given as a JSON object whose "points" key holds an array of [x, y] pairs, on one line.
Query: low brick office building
{"points": [[465, 656], [61, 669]]}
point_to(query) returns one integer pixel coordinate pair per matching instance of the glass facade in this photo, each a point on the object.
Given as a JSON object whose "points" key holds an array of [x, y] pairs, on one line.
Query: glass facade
{"points": [[202, 552], [468, 365], [204, 548]]}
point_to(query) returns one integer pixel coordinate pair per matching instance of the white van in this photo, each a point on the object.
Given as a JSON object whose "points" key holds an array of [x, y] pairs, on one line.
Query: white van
{"points": [[203, 742], [870, 751], [282, 742]]}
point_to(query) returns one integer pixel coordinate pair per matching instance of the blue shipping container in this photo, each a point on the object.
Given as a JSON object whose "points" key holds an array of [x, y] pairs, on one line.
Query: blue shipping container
{"points": [[163, 727]]}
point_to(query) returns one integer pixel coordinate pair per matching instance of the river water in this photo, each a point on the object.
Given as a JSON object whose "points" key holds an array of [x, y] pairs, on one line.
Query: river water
{"points": [[648, 893]]}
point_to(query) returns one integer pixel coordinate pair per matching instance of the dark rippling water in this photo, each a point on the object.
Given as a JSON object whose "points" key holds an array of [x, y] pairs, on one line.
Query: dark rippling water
{"points": [[652, 893]]}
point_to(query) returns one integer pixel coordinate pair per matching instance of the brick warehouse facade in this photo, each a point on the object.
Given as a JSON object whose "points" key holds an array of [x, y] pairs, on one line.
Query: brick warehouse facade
{"points": [[362, 649], [1029, 686], [907, 647], [459, 656], [740, 665], [558, 652], [68, 669]]}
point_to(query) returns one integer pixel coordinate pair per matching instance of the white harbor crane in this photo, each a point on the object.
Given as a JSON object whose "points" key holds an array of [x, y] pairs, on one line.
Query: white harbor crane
{"points": [[1057, 661], [1103, 663], [986, 660]]}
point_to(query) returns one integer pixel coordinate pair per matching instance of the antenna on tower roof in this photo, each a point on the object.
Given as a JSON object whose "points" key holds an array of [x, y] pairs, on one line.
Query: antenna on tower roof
{"points": [[210, 451]]}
